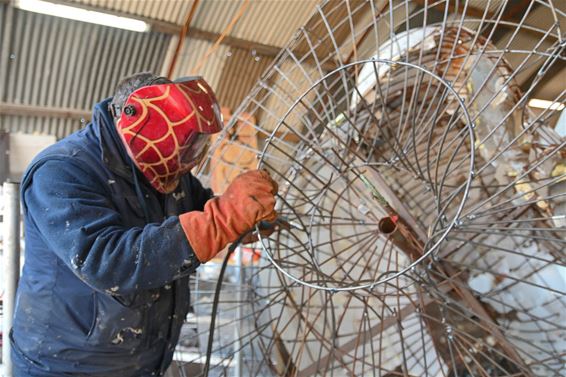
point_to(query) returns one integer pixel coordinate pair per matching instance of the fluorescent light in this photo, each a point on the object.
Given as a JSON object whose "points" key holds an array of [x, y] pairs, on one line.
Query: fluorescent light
{"points": [[83, 15], [544, 104]]}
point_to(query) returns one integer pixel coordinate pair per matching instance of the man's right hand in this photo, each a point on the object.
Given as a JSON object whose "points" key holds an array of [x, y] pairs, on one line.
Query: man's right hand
{"points": [[249, 199]]}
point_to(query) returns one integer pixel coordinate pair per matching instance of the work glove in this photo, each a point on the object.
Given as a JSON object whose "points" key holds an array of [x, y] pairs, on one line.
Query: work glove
{"points": [[249, 199]]}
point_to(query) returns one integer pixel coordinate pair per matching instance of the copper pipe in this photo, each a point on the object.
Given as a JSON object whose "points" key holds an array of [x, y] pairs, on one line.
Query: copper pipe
{"points": [[401, 236]]}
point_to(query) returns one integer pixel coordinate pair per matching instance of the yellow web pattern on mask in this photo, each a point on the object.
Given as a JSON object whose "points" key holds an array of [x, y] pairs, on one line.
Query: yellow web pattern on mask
{"points": [[148, 104]]}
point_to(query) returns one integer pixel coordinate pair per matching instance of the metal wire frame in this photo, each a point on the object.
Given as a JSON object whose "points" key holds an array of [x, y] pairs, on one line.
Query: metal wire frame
{"points": [[349, 165], [367, 121]]}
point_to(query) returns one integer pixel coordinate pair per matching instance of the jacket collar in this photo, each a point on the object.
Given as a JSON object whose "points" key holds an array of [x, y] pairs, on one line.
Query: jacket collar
{"points": [[114, 153]]}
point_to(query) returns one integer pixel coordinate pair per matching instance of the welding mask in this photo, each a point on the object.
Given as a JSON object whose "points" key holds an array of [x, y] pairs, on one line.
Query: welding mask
{"points": [[166, 128]]}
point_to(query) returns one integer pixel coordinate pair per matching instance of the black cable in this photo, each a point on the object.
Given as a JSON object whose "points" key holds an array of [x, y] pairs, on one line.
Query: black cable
{"points": [[216, 300], [262, 225]]}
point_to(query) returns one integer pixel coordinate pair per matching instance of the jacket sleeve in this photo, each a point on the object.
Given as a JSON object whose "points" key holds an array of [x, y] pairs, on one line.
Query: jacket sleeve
{"points": [[200, 195], [78, 222]]}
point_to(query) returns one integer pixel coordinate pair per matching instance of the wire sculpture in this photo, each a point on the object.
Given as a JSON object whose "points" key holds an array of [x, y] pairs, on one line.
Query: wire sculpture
{"points": [[425, 199]]}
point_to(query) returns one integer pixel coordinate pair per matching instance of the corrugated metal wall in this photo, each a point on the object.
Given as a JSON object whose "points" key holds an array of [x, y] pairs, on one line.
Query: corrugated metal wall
{"points": [[2, 21], [191, 54], [59, 63], [64, 63], [40, 125], [242, 70]]}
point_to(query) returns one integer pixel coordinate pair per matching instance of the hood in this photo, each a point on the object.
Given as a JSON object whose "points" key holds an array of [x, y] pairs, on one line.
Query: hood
{"points": [[114, 153]]}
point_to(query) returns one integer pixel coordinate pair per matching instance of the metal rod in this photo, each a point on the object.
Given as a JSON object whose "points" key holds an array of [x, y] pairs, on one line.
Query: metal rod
{"points": [[372, 332], [11, 251]]}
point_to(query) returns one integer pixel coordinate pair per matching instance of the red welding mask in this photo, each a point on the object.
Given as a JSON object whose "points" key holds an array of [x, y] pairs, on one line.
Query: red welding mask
{"points": [[166, 129]]}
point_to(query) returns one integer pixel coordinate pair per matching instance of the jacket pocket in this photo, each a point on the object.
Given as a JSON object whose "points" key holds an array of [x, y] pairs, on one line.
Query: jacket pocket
{"points": [[117, 326]]}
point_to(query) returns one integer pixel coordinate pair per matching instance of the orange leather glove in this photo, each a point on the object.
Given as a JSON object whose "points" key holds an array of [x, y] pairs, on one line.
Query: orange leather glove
{"points": [[250, 198]]}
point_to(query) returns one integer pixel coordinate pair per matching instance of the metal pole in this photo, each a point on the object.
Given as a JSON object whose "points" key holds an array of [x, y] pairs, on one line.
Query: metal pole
{"points": [[11, 218], [238, 331]]}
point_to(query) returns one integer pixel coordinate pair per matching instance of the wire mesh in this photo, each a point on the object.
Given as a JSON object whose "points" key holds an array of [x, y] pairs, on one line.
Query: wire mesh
{"points": [[426, 199]]}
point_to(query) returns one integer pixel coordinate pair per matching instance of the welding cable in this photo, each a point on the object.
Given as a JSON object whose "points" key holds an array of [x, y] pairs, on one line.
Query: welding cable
{"points": [[262, 225], [216, 300]]}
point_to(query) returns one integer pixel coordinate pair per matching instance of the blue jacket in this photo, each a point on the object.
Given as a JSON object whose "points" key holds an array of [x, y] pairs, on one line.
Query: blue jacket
{"points": [[104, 289]]}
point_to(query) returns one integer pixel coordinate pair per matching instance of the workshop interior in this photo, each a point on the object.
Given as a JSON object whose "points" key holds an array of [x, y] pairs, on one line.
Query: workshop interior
{"points": [[419, 148]]}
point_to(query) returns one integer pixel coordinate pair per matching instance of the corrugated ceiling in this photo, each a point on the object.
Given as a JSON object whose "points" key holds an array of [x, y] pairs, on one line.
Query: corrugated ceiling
{"points": [[239, 75], [269, 22], [173, 11]]}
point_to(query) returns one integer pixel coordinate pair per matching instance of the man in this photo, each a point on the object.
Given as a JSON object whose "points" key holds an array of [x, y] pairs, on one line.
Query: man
{"points": [[114, 225]]}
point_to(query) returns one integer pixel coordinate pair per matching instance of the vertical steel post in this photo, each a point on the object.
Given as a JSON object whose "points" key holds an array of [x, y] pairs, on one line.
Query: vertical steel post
{"points": [[11, 218]]}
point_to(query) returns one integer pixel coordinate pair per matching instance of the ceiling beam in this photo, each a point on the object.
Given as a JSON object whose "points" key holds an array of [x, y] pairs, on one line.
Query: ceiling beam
{"points": [[510, 17], [174, 29], [550, 74], [470, 10], [44, 111], [260, 48]]}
